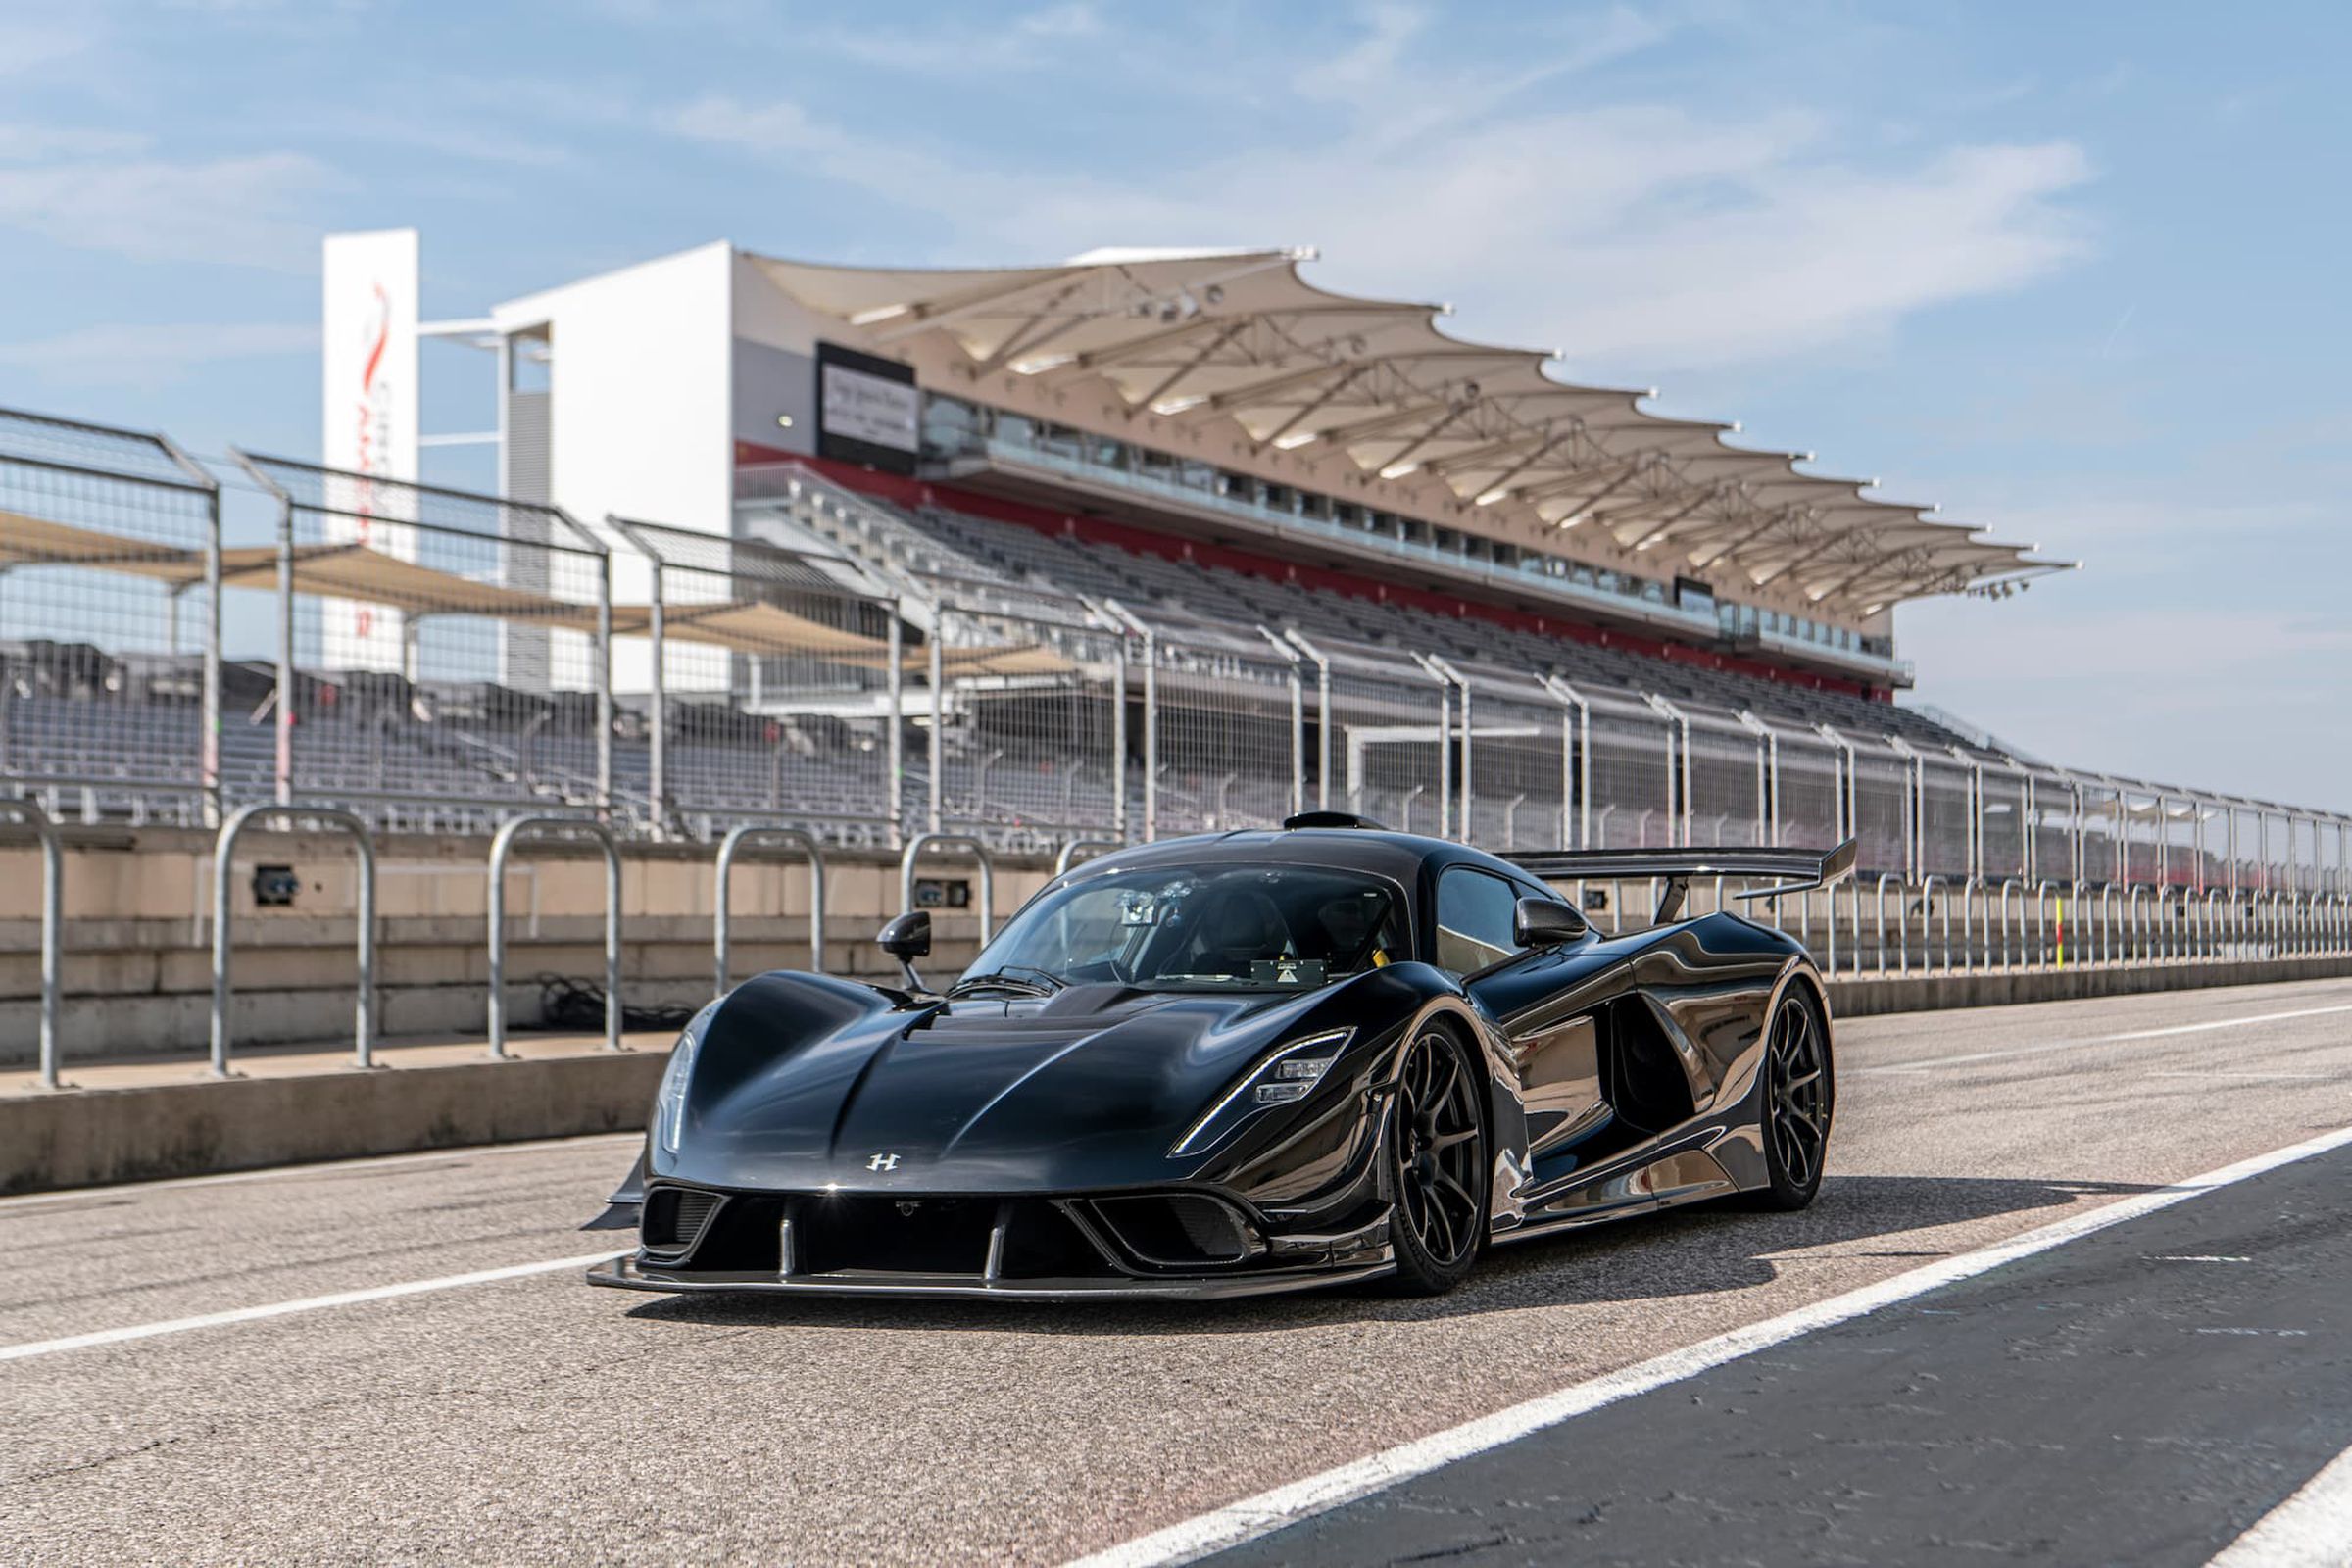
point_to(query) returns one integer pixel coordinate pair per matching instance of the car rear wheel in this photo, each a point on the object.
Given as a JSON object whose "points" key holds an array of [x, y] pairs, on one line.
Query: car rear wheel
{"points": [[1437, 1152], [1797, 1097]]}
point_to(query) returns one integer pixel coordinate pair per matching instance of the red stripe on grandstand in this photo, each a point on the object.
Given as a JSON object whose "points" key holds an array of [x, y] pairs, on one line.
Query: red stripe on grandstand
{"points": [[912, 492]]}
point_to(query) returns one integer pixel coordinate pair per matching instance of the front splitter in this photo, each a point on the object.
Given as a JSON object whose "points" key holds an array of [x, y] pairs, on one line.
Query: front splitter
{"points": [[628, 1274]]}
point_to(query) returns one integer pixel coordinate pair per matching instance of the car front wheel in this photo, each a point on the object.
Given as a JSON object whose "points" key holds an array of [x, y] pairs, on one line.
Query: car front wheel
{"points": [[1437, 1168]]}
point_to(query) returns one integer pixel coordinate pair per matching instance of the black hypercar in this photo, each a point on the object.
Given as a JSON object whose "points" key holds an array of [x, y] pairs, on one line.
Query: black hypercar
{"points": [[1244, 1063]]}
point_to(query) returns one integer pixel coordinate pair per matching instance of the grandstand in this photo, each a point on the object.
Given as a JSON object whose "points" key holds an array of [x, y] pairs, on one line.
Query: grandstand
{"points": [[1139, 544]]}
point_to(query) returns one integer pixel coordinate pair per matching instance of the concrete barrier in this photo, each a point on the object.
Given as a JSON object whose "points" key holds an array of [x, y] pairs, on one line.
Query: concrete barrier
{"points": [[92, 1137]]}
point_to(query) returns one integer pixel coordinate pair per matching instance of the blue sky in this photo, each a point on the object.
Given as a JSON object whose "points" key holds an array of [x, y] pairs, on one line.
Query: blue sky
{"points": [[2076, 272]]}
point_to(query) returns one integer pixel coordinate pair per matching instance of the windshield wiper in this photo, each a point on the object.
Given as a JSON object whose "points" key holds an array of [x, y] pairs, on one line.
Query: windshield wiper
{"points": [[1044, 985]]}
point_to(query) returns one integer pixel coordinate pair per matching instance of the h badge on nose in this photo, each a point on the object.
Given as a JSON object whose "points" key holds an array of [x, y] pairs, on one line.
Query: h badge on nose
{"points": [[883, 1163]]}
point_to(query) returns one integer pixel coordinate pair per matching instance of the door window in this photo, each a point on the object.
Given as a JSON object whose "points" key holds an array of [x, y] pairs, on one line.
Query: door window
{"points": [[1475, 917]]}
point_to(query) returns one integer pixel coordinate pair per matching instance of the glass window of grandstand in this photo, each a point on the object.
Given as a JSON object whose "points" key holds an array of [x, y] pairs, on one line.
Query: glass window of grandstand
{"points": [[949, 425], [1476, 914]]}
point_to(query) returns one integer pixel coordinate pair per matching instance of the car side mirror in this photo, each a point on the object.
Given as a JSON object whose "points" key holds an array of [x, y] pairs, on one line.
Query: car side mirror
{"points": [[905, 939], [1546, 924]]}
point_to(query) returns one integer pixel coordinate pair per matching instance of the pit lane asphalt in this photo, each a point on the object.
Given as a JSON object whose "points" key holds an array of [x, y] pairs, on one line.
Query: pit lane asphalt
{"points": [[535, 1418]]}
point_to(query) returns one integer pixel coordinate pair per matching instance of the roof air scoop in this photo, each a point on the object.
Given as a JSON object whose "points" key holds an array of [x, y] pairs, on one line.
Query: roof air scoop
{"points": [[1332, 819]]}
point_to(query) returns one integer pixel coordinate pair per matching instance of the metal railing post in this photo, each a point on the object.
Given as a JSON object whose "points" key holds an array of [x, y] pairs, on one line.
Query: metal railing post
{"points": [[224, 848], [1323, 723], [1902, 923], [1461, 804], [207, 766], [1298, 719], [1076, 847], [980, 854], [1678, 778], [502, 845], [1927, 910], [1445, 684], [53, 923], [895, 694], [1150, 642], [657, 698], [284, 717], [1847, 788], [1915, 806], [938, 739], [1768, 777], [1576, 778], [721, 936]]}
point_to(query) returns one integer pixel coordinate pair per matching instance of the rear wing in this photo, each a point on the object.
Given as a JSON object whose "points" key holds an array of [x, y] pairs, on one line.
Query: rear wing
{"points": [[1793, 870]]}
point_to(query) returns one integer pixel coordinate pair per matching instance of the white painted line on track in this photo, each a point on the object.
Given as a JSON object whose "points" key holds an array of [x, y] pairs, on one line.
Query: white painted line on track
{"points": [[1285, 1506], [1938, 1063], [2309, 1530], [412, 1159], [308, 1303]]}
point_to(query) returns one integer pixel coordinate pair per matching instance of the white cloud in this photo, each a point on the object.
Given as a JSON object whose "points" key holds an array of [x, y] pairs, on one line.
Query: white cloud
{"points": [[239, 211], [24, 144], [127, 355], [782, 130], [1374, 59], [29, 45], [1640, 238]]}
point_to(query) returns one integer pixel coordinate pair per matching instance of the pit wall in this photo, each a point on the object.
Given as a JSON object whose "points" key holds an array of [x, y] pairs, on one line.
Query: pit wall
{"points": [[137, 941]]}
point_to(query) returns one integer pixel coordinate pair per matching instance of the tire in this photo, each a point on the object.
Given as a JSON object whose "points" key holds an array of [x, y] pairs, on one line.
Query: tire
{"points": [[1437, 1169], [1796, 1101]]}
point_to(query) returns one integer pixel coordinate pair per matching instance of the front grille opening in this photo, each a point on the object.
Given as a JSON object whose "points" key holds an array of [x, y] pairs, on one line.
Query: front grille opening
{"points": [[834, 1234], [741, 1238], [1041, 1243], [673, 1216], [1176, 1230]]}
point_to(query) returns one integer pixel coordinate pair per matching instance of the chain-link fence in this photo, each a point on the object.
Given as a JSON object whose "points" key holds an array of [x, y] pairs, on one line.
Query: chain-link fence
{"points": [[446, 649], [1379, 746], [1023, 713], [1516, 747], [1632, 775], [109, 622], [1225, 732], [757, 684]]}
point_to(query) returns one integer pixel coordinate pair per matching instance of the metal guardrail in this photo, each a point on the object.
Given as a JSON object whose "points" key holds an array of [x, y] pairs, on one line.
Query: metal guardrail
{"points": [[721, 920], [53, 921], [916, 844], [1898, 927], [223, 852], [501, 846]]}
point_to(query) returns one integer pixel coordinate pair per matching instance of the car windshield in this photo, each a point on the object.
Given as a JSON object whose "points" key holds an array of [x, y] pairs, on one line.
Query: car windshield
{"points": [[1205, 927]]}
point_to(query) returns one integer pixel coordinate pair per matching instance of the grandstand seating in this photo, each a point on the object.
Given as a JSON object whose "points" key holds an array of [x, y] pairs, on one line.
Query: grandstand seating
{"points": [[1059, 563]]}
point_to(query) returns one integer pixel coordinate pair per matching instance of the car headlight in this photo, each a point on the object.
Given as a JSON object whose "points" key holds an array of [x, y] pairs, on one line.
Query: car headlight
{"points": [[1285, 1074], [669, 1102]]}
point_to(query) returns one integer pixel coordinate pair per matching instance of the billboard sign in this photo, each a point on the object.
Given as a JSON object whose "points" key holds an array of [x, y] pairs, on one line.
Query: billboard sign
{"points": [[369, 410], [867, 410]]}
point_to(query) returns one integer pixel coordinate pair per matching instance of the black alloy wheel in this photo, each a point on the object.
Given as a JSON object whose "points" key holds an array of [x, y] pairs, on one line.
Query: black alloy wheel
{"points": [[1798, 1095], [1438, 1164]]}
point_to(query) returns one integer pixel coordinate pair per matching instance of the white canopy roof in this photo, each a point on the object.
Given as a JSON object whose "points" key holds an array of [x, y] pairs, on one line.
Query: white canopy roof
{"points": [[1199, 336]]}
